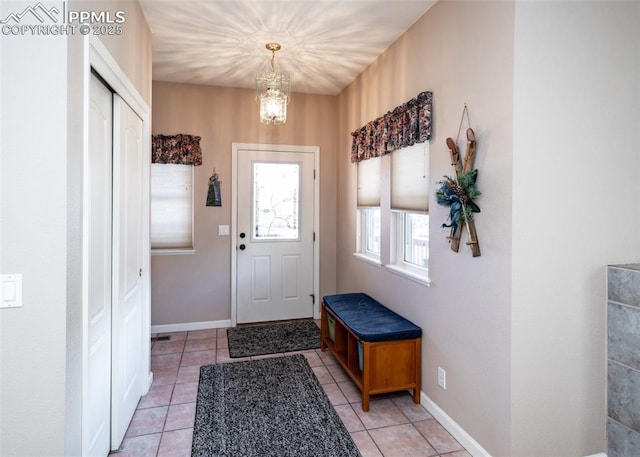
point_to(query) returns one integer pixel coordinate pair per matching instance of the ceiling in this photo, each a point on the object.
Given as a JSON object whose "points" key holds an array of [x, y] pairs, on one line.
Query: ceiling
{"points": [[325, 43]]}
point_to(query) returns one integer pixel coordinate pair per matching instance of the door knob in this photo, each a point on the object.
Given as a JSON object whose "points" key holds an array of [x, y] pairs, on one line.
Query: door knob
{"points": [[242, 235], [242, 247]]}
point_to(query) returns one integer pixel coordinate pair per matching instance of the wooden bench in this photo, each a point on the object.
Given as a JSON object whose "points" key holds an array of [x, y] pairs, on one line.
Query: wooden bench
{"points": [[379, 349]]}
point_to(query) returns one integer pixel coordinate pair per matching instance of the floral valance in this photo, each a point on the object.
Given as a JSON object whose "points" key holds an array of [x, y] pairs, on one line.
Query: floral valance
{"points": [[406, 125], [177, 149]]}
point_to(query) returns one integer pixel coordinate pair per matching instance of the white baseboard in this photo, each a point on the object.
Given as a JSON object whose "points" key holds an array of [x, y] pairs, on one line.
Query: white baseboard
{"points": [[471, 445], [149, 382], [190, 326]]}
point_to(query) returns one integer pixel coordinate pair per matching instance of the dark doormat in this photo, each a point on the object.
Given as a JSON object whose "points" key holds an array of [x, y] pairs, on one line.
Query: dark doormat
{"points": [[268, 407], [273, 338]]}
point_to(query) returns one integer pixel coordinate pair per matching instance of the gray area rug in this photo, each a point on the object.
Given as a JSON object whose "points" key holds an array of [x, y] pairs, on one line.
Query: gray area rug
{"points": [[273, 338], [269, 407]]}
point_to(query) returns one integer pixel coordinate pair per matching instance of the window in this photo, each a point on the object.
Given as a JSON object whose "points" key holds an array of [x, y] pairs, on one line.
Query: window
{"points": [[171, 208], [410, 212], [370, 231], [368, 239], [415, 239], [276, 196]]}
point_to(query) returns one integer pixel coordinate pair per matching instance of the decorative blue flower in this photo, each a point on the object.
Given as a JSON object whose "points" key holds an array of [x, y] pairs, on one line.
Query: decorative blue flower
{"points": [[458, 196]]}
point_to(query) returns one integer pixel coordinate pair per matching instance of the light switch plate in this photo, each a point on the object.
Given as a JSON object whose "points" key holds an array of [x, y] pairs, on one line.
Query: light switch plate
{"points": [[11, 291], [223, 230]]}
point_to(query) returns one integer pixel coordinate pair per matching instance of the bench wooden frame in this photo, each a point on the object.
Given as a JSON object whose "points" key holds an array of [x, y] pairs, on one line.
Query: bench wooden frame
{"points": [[387, 366]]}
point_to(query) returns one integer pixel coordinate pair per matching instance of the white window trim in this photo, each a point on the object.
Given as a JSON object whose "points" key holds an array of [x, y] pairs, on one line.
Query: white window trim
{"points": [[398, 265], [176, 251], [370, 259], [361, 253], [409, 274]]}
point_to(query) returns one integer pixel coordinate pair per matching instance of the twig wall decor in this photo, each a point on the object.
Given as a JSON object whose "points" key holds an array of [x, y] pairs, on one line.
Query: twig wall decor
{"points": [[459, 192]]}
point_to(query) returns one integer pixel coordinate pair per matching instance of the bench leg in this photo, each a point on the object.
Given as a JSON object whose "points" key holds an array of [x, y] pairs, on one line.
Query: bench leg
{"points": [[416, 395], [324, 328], [366, 374], [365, 401], [418, 373]]}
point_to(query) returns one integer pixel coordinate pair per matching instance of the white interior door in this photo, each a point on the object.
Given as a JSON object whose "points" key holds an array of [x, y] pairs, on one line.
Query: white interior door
{"points": [[275, 215], [97, 404], [127, 313]]}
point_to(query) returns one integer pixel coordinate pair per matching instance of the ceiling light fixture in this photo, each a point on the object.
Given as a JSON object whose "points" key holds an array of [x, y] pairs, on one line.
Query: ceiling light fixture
{"points": [[272, 91]]}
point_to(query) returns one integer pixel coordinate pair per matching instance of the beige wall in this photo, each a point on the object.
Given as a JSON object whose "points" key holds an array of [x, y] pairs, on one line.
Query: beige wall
{"points": [[463, 52], [132, 49], [40, 231], [197, 288], [576, 123]]}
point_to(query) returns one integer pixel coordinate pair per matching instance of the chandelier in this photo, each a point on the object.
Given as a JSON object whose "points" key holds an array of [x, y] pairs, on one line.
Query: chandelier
{"points": [[272, 91]]}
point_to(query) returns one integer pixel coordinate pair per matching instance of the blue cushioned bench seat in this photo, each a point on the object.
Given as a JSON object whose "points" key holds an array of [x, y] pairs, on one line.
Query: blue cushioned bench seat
{"points": [[370, 320]]}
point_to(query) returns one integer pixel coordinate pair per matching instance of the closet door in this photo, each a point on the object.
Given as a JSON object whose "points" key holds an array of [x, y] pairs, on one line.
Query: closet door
{"points": [[128, 383], [96, 408]]}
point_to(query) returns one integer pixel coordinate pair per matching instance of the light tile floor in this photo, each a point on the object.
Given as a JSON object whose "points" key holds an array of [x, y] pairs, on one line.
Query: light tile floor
{"points": [[162, 425]]}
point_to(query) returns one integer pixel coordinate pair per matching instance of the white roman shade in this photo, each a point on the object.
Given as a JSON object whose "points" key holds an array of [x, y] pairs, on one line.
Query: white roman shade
{"points": [[410, 178], [369, 183], [171, 206]]}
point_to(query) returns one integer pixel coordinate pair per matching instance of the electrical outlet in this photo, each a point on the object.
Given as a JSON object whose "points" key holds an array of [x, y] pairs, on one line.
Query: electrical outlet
{"points": [[442, 378]]}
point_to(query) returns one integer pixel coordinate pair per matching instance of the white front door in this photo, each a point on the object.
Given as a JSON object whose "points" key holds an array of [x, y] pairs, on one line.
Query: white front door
{"points": [[96, 408], [275, 235], [127, 344]]}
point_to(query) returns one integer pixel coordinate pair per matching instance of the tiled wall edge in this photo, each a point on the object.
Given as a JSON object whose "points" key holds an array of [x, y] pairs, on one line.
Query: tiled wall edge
{"points": [[619, 303], [620, 424], [609, 359], [630, 266], [620, 287]]}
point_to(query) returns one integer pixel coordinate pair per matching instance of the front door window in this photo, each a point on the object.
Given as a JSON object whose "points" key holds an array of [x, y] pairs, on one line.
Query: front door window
{"points": [[276, 196]]}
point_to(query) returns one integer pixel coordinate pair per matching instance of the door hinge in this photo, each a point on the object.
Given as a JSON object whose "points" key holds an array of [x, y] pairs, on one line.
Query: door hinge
{"points": [[314, 237], [314, 174], [140, 272], [313, 298]]}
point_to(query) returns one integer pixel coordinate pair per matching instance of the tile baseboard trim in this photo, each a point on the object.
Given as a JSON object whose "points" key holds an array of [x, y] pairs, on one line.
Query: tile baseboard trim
{"points": [[466, 440], [190, 326]]}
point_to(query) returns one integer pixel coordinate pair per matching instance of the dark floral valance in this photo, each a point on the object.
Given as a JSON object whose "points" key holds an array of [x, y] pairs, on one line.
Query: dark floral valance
{"points": [[178, 149], [406, 125]]}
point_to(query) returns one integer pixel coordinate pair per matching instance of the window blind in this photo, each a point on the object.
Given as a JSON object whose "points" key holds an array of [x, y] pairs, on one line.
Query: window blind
{"points": [[369, 182], [410, 178], [171, 206]]}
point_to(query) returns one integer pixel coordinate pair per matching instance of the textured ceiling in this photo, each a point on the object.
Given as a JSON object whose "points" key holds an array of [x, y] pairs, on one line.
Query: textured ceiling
{"points": [[325, 43]]}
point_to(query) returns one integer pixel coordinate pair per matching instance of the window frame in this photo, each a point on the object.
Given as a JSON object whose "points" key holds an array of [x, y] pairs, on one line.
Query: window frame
{"points": [[408, 201], [398, 264]]}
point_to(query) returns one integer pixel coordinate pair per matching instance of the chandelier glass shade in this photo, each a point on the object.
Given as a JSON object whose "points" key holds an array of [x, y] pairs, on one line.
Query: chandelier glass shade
{"points": [[272, 91]]}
